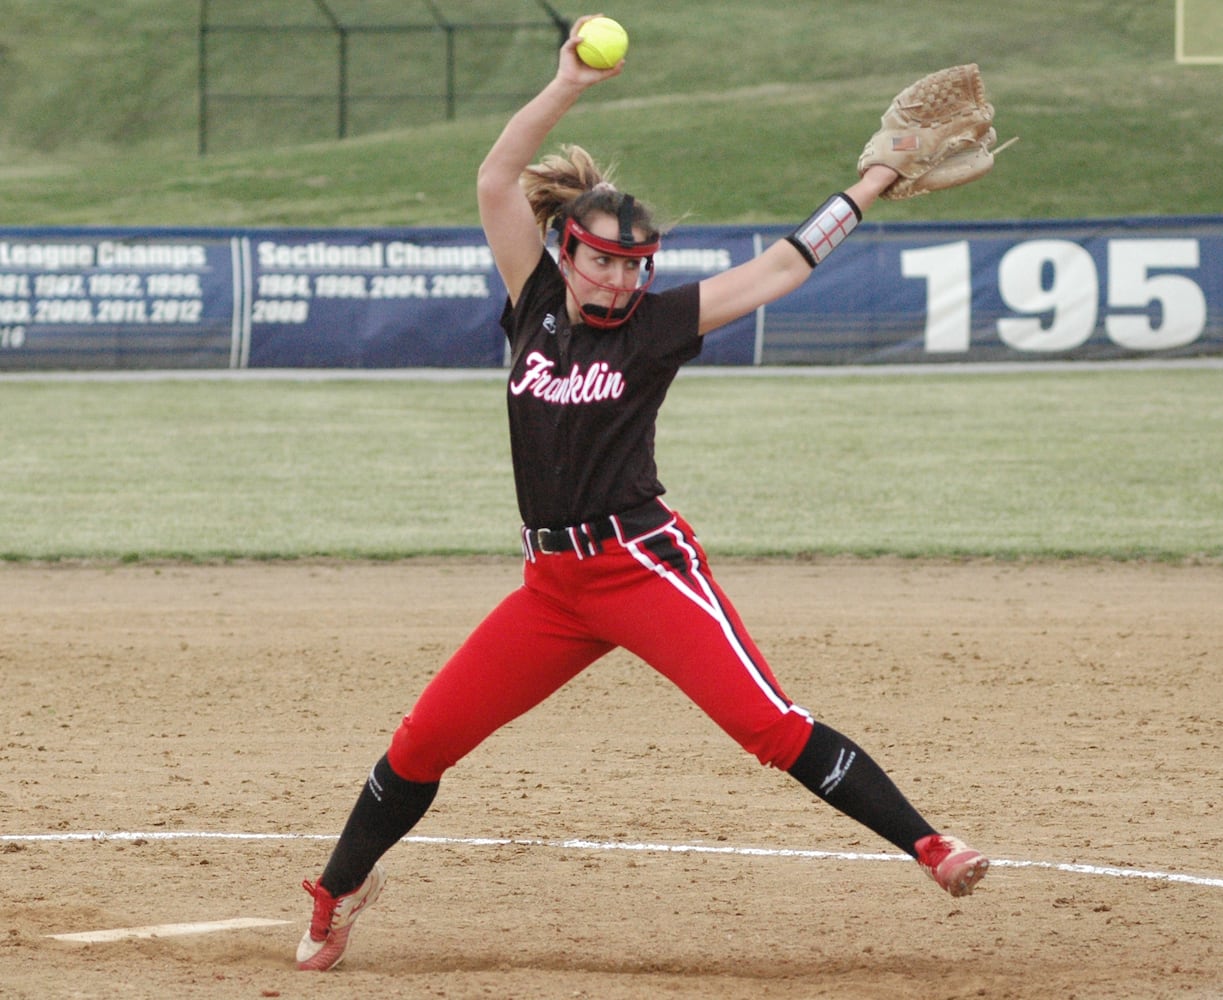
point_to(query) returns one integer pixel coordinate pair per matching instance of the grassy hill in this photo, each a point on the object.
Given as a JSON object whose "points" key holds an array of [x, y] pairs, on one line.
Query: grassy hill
{"points": [[728, 112]]}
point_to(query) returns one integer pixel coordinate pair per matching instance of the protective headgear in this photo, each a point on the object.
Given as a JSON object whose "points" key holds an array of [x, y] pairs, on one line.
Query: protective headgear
{"points": [[607, 317]]}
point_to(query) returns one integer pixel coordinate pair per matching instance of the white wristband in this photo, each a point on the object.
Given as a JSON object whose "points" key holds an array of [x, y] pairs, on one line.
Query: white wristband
{"points": [[816, 238]]}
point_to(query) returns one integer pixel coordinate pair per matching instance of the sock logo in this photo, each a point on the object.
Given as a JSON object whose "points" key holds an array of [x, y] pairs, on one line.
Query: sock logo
{"points": [[375, 786], [837, 774]]}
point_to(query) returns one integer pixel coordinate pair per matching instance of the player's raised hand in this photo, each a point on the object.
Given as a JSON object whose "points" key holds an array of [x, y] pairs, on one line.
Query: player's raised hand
{"points": [[573, 69]]}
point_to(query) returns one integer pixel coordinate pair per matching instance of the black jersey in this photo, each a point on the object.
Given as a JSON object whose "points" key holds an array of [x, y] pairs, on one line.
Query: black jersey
{"points": [[583, 401]]}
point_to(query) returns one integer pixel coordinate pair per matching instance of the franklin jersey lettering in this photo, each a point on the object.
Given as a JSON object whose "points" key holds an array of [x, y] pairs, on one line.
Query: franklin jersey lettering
{"points": [[598, 383]]}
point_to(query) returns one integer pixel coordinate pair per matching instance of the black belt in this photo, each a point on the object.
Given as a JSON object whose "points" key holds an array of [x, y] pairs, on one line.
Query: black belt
{"points": [[552, 541], [588, 538]]}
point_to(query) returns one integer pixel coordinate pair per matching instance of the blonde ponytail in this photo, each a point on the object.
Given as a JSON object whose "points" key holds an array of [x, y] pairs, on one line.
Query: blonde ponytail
{"points": [[558, 180]]}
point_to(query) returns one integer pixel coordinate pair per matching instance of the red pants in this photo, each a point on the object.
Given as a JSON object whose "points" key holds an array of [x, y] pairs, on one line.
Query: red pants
{"points": [[652, 595]]}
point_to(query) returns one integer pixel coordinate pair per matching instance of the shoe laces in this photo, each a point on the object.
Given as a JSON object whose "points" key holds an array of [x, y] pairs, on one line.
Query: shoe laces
{"points": [[324, 909], [934, 850]]}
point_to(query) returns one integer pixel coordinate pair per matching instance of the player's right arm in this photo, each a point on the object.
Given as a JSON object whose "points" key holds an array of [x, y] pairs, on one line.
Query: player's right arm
{"points": [[509, 224]]}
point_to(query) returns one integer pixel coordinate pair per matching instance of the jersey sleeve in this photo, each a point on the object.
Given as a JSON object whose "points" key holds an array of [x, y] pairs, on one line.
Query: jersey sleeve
{"points": [[540, 287], [670, 331]]}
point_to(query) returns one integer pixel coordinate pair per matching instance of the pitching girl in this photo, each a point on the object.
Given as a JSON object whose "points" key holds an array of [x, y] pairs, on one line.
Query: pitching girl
{"points": [[607, 563]]}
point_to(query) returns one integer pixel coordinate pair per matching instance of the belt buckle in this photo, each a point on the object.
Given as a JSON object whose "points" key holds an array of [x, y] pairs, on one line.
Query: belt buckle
{"points": [[542, 541]]}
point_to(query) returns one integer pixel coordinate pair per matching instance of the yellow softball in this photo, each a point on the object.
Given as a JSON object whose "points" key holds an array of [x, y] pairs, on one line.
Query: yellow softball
{"points": [[604, 43]]}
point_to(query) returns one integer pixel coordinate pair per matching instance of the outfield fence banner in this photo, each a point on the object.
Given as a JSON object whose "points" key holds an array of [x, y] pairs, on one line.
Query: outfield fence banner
{"points": [[909, 293]]}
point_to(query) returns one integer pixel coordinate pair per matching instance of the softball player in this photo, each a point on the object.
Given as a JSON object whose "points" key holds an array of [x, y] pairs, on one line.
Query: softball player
{"points": [[607, 563]]}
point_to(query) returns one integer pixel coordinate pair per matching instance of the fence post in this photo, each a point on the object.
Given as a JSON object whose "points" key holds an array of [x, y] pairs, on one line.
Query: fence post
{"points": [[202, 137], [342, 124], [451, 99]]}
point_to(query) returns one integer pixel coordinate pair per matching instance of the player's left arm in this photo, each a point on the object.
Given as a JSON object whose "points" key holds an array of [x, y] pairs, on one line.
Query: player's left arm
{"points": [[784, 266]]}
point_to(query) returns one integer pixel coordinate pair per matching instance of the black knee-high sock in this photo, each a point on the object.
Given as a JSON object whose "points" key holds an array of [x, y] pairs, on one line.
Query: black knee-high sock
{"points": [[387, 808], [841, 773]]}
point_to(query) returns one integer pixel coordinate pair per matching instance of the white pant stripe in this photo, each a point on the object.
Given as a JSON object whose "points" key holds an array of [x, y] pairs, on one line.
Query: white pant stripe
{"points": [[707, 601]]}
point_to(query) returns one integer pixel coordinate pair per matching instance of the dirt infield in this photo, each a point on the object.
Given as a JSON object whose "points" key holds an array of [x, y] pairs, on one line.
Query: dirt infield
{"points": [[1064, 717]]}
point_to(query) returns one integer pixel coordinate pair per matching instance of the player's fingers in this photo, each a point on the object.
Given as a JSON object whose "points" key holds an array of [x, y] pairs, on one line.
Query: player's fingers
{"points": [[576, 30]]}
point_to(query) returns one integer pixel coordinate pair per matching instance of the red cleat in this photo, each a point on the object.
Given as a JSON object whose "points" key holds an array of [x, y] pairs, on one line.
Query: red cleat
{"points": [[954, 865], [326, 939]]}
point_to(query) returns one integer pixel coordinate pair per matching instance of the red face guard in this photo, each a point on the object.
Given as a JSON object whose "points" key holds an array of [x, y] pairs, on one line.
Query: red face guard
{"points": [[607, 317]]}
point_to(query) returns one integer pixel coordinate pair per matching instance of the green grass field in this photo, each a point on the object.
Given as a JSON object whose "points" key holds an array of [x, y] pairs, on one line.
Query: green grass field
{"points": [[1119, 464], [728, 112], [1201, 31]]}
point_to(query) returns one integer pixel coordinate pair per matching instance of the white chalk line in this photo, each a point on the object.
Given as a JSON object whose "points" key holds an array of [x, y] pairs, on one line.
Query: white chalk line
{"points": [[166, 930], [595, 845]]}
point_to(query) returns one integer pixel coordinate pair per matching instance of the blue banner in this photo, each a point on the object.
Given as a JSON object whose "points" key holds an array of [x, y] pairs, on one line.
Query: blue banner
{"points": [[94, 298], [425, 297], [99, 298], [1008, 292], [371, 299]]}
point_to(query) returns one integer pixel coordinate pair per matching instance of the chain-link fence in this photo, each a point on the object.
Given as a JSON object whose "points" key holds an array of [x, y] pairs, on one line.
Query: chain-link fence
{"points": [[301, 70]]}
